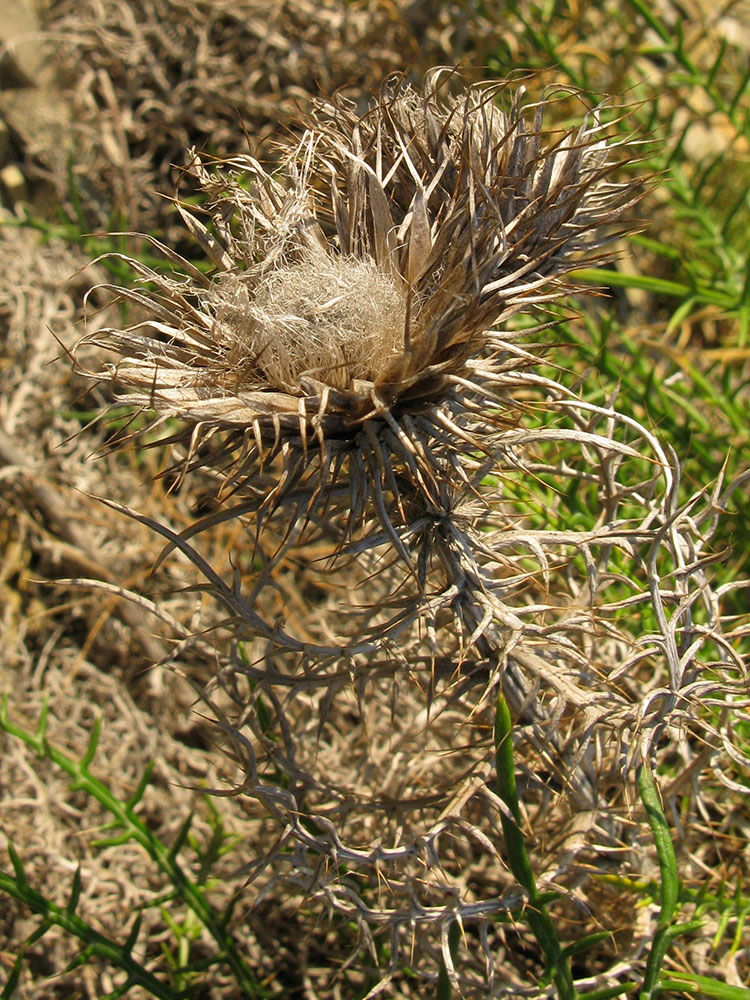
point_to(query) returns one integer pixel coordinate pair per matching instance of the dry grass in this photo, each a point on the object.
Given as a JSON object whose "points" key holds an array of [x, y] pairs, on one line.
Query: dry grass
{"points": [[149, 79]]}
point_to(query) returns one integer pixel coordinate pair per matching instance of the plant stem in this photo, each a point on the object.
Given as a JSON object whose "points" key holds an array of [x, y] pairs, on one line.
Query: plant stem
{"points": [[96, 943], [444, 988]]}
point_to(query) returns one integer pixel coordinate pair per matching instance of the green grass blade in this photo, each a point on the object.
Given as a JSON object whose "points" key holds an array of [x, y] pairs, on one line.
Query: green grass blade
{"points": [[669, 881], [703, 986], [97, 944], [520, 864], [608, 992]]}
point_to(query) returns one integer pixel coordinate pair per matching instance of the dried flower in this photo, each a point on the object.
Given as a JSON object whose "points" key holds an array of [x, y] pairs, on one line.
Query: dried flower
{"points": [[347, 359], [348, 322]]}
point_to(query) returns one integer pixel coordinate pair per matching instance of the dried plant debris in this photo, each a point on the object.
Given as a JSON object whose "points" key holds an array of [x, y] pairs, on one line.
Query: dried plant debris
{"points": [[150, 78], [43, 461], [345, 372], [387, 809], [147, 79]]}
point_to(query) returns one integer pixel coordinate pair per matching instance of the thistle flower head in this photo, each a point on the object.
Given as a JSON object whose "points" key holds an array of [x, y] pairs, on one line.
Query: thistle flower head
{"points": [[352, 306]]}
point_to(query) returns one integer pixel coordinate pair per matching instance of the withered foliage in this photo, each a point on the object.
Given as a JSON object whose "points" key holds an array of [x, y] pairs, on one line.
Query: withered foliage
{"points": [[507, 535], [150, 78]]}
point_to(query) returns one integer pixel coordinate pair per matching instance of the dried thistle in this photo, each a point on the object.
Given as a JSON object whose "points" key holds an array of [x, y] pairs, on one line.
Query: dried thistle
{"points": [[346, 360], [347, 325]]}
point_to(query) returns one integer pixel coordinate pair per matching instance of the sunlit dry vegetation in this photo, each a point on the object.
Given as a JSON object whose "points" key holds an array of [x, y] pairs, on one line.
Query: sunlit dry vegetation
{"points": [[374, 549]]}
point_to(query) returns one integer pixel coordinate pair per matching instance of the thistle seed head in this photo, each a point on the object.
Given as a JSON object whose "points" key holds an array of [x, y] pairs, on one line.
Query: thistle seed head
{"points": [[334, 318], [354, 298]]}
